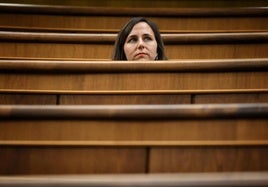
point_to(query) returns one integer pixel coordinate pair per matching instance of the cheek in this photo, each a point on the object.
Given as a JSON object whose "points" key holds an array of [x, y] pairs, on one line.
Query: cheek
{"points": [[127, 49], [154, 48]]}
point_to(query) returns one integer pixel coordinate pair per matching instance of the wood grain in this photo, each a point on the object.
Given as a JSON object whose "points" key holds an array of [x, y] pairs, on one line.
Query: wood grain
{"points": [[133, 138], [100, 45], [33, 99], [125, 99], [129, 76], [77, 160], [134, 122], [210, 159], [231, 98], [115, 18]]}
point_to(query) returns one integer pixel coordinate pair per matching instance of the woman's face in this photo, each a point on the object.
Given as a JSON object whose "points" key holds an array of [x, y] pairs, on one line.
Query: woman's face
{"points": [[140, 43]]}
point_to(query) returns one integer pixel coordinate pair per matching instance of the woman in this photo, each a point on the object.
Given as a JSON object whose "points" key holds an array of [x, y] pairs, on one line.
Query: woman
{"points": [[139, 39]]}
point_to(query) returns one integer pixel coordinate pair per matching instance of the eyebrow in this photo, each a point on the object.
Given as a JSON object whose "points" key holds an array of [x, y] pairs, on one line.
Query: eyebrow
{"points": [[131, 36], [147, 34], [134, 35]]}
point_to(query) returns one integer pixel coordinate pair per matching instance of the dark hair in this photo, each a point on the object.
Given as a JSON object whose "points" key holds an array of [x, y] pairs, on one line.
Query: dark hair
{"points": [[119, 54]]}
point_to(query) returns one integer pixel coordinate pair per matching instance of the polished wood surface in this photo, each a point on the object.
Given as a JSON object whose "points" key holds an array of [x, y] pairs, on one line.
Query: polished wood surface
{"points": [[124, 98], [150, 97], [223, 179], [247, 18], [72, 66], [208, 159], [230, 98], [78, 10], [32, 99], [134, 111], [100, 45], [135, 123], [104, 51], [70, 160], [51, 159], [35, 85], [108, 38], [145, 138], [115, 23], [164, 98], [244, 74]]}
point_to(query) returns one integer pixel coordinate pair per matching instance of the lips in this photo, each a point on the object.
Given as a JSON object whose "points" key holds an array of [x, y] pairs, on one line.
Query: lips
{"points": [[140, 54]]}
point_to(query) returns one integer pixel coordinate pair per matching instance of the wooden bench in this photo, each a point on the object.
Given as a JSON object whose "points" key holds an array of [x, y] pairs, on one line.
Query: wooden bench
{"points": [[133, 138], [99, 46], [109, 82], [238, 179]]}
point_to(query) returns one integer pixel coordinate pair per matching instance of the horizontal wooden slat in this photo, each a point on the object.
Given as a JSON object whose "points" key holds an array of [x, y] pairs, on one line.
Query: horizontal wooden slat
{"points": [[146, 180], [208, 159], [104, 51], [137, 92], [134, 111], [114, 18], [71, 160], [144, 82], [111, 11], [115, 23], [230, 97], [114, 31], [147, 132], [108, 38], [134, 97], [100, 45], [103, 76], [156, 125], [27, 98], [142, 143], [61, 66]]}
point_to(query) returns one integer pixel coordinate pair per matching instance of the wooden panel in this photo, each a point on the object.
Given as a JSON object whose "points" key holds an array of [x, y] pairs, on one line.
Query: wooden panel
{"points": [[27, 99], [49, 50], [70, 160], [139, 125], [208, 159], [193, 97], [134, 122], [216, 51], [217, 75], [99, 45], [135, 81], [140, 132], [104, 51], [116, 22], [130, 98], [231, 98], [125, 99]]}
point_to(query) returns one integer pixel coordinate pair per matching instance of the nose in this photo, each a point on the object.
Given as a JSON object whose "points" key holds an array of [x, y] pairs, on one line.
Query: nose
{"points": [[140, 44]]}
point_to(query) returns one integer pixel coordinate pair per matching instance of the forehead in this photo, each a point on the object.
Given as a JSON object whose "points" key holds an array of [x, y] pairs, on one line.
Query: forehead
{"points": [[141, 28]]}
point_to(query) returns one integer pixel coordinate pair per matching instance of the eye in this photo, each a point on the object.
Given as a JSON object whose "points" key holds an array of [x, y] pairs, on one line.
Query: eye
{"points": [[132, 40], [147, 38]]}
